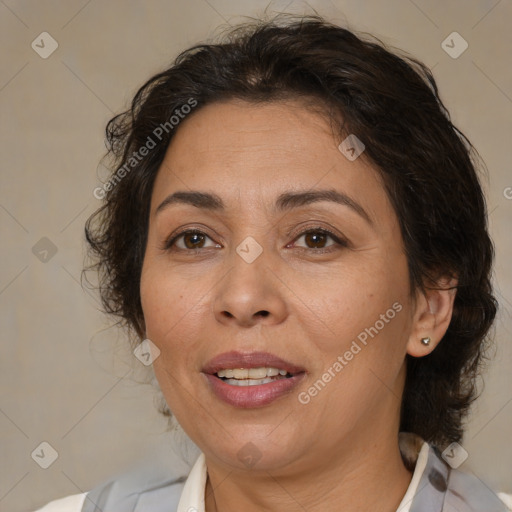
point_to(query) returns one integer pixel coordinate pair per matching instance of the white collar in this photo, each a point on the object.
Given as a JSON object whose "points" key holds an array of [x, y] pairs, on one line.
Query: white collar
{"points": [[192, 496]]}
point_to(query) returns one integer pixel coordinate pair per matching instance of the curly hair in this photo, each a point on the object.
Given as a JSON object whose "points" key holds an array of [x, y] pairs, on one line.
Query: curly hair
{"points": [[391, 101]]}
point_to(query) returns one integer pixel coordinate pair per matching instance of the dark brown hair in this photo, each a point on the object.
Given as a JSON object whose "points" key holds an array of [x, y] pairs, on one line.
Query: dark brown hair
{"points": [[392, 104]]}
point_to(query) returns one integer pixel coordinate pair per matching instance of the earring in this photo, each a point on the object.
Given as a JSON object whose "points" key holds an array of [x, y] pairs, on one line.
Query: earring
{"points": [[425, 341]]}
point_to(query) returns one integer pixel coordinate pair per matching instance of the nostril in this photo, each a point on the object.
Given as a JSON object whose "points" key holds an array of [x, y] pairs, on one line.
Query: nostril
{"points": [[263, 313]]}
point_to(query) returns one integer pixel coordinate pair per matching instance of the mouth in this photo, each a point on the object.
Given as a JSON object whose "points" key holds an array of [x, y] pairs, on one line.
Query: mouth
{"points": [[252, 379], [252, 376]]}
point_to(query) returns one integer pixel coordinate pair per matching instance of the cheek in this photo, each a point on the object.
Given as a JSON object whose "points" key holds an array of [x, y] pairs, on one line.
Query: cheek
{"points": [[173, 308], [337, 306], [173, 313]]}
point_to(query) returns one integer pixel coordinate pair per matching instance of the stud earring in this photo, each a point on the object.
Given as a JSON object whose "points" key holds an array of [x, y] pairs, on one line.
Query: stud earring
{"points": [[425, 341]]}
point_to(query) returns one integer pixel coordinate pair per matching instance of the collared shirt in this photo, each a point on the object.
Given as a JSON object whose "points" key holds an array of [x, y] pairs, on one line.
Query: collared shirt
{"points": [[429, 490]]}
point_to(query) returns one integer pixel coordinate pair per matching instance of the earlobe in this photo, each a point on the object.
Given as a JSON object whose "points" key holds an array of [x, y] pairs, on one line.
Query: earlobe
{"points": [[434, 309]]}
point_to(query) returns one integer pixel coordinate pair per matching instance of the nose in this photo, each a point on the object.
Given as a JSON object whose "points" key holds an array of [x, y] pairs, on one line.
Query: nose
{"points": [[250, 294]]}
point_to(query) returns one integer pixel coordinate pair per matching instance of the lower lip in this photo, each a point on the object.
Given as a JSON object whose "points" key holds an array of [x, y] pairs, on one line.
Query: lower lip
{"points": [[252, 396]]}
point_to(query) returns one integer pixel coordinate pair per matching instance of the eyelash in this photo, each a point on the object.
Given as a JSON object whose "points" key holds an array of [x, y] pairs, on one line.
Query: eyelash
{"points": [[170, 242]]}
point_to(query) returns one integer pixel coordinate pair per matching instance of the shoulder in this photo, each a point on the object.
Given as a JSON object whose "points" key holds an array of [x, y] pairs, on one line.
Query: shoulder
{"points": [[506, 498], [138, 490], [129, 494], [72, 503], [117, 496], [449, 488], [464, 490]]}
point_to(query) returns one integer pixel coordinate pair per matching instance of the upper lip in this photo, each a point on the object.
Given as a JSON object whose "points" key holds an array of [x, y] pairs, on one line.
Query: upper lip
{"points": [[235, 359]]}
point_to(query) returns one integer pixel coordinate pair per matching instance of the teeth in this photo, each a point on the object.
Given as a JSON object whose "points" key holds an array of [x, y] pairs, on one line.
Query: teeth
{"points": [[248, 382], [249, 374], [257, 373], [240, 373]]}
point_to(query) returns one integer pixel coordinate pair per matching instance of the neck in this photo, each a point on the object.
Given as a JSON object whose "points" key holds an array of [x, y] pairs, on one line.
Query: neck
{"points": [[364, 476]]}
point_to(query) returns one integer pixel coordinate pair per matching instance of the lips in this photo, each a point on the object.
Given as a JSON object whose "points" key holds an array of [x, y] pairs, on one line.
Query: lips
{"points": [[254, 395]]}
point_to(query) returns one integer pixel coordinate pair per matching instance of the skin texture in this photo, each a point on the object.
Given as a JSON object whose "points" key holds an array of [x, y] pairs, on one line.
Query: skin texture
{"points": [[341, 448]]}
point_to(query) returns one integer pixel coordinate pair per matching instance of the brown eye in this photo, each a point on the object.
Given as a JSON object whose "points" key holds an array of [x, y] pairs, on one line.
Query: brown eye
{"points": [[315, 239], [190, 240], [193, 240]]}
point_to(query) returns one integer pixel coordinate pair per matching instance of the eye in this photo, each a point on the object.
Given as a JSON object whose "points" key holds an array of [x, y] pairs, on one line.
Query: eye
{"points": [[319, 239], [315, 239], [190, 240]]}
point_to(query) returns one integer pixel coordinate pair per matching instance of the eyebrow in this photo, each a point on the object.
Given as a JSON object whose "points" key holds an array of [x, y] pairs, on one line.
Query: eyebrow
{"points": [[285, 201]]}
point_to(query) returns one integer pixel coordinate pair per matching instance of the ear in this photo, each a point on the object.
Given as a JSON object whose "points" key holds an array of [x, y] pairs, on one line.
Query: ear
{"points": [[432, 316]]}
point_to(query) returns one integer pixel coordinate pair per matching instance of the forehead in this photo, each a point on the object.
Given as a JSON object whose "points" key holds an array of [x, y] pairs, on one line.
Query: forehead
{"points": [[260, 150]]}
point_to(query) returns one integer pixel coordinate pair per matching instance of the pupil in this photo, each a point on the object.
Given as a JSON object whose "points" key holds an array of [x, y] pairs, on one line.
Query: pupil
{"points": [[196, 238], [315, 239]]}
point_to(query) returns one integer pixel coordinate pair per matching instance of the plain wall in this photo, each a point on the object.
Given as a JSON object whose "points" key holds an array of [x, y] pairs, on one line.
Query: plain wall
{"points": [[65, 378]]}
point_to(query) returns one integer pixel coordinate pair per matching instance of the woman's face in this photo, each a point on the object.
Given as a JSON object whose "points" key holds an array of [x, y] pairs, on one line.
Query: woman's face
{"points": [[295, 263]]}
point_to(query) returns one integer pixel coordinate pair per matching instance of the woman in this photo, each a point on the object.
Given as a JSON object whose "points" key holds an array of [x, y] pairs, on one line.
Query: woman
{"points": [[297, 232]]}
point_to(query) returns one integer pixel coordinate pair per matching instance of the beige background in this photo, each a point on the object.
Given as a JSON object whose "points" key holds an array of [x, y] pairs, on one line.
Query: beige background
{"points": [[63, 380]]}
